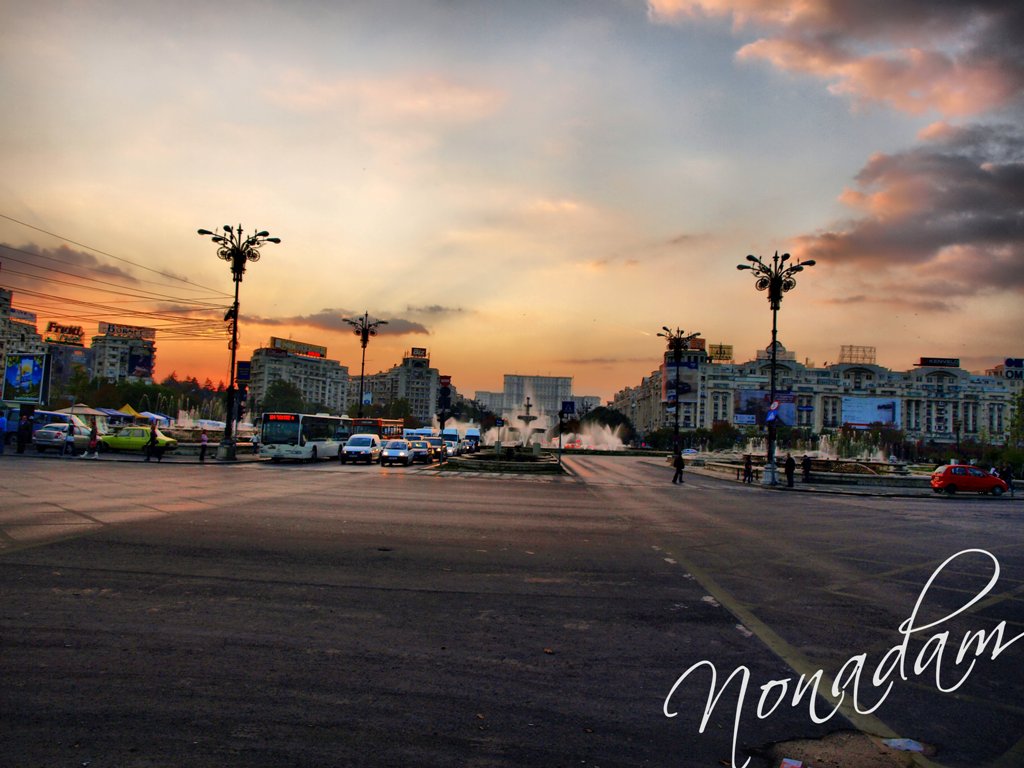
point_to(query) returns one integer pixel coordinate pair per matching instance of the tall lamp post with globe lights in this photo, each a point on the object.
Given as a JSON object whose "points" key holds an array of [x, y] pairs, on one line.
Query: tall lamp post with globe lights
{"points": [[677, 342], [234, 247], [364, 329], [776, 278]]}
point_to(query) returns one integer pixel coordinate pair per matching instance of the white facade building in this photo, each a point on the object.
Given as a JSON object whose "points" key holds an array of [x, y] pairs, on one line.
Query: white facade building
{"points": [[935, 401]]}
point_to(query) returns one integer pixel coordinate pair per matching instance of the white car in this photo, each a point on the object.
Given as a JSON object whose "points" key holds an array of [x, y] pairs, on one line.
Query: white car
{"points": [[396, 452], [361, 448]]}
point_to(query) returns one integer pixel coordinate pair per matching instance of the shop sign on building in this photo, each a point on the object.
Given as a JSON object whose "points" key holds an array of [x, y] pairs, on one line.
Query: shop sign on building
{"points": [[64, 334], [298, 347], [127, 331]]}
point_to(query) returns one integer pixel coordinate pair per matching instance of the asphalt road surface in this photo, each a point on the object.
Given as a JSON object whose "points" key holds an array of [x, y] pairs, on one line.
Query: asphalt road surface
{"points": [[317, 615]]}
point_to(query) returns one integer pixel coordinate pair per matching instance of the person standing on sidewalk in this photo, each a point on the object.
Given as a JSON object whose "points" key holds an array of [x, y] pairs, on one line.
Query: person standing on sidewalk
{"points": [[24, 433], [1007, 476], [790, 468], [151, 445], [68, 449], [94, 441], [678, 463], [748, 469], [805, 467], [204, 439]]}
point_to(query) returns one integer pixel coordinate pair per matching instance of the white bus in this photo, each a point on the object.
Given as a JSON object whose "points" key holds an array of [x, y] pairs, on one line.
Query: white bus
{"points": [[303, 436]]}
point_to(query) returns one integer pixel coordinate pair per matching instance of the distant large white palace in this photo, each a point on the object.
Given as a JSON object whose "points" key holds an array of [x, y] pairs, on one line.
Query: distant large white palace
{"points": [[936, 400]]}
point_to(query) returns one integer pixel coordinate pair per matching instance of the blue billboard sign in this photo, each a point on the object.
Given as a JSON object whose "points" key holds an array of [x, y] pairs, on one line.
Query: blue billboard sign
{"points": [[24, 378]]}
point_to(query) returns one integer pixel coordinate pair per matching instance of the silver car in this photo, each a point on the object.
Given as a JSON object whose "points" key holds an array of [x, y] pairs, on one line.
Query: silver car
{"points": [[54, 435], [396, 452], [361, 448]]}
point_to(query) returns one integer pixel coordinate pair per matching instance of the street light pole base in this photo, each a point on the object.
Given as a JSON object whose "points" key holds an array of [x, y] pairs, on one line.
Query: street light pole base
{"points": [[770, 475], [226, 450]]}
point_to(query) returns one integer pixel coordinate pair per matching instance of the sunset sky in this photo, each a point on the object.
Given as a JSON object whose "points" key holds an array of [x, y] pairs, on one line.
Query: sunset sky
{"points": [[521, 187]]}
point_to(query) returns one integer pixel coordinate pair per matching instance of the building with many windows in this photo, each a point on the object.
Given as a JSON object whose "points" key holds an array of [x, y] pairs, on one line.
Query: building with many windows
{"points": [[936, 400], [124, 353], [412, 380], [324, 383], [17, 329]]}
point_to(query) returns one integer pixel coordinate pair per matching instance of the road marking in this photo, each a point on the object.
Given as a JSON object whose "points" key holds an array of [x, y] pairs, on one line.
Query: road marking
{"points": [[868, 724]]}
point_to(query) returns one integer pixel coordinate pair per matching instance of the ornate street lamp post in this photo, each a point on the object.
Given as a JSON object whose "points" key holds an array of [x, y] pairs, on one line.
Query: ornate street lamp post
{"points": [[776, 278], [677, 342], [234, 247], [364, 329]]}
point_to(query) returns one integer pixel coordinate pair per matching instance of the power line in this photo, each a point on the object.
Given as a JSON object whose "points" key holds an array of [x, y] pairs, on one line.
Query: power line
{"points": [[148, 295], [109, 255]]}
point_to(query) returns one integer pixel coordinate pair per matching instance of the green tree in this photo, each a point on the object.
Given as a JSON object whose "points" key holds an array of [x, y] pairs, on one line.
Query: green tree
{"points": [[282, 396], [1015, 439]]}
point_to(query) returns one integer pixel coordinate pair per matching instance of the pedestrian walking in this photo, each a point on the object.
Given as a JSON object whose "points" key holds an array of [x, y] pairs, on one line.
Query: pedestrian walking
{"points": [[790, 469], [24, 436], [748, 469], [204, 440], [1007, 475], [678, 463], [3, 429], [255, 440], [68, 449], [94, 440], [151, 444], [805, 467]]}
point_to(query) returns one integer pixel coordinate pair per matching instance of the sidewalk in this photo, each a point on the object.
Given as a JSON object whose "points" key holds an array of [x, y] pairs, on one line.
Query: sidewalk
{"points": [[853, 489], [244, 456]]}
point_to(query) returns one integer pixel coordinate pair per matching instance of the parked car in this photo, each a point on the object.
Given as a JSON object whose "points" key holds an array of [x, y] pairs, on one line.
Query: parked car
{"points": [[363, 447], [396, 452], [135, 439], [951, 478], [419, 451], [54, 435]]}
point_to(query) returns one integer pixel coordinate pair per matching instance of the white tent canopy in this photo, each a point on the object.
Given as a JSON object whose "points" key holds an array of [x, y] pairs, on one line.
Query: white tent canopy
{"points": [[81, 409]]}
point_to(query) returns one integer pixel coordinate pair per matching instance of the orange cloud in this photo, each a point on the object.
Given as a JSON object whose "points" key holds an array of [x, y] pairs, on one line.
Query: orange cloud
{"points": [[949, 211], [957, 59]]}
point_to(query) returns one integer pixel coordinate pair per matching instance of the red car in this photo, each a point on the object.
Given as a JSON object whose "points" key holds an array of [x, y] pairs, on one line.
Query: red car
{"points": [[951, 478]]}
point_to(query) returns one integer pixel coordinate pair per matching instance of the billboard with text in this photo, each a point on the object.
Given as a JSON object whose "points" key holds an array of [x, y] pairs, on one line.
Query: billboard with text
{"points": [[862, 412], [751, 407], [24, 378]]}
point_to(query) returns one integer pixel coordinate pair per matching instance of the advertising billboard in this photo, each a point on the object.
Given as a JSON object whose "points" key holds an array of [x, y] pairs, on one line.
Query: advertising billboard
{"points": [[939, 362], [140, 364], [721, 353], [127, 331], [24, 378], [298, 347], [689, 381], [751, 407], [21, 316], [862, 412], [64, 334]]}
